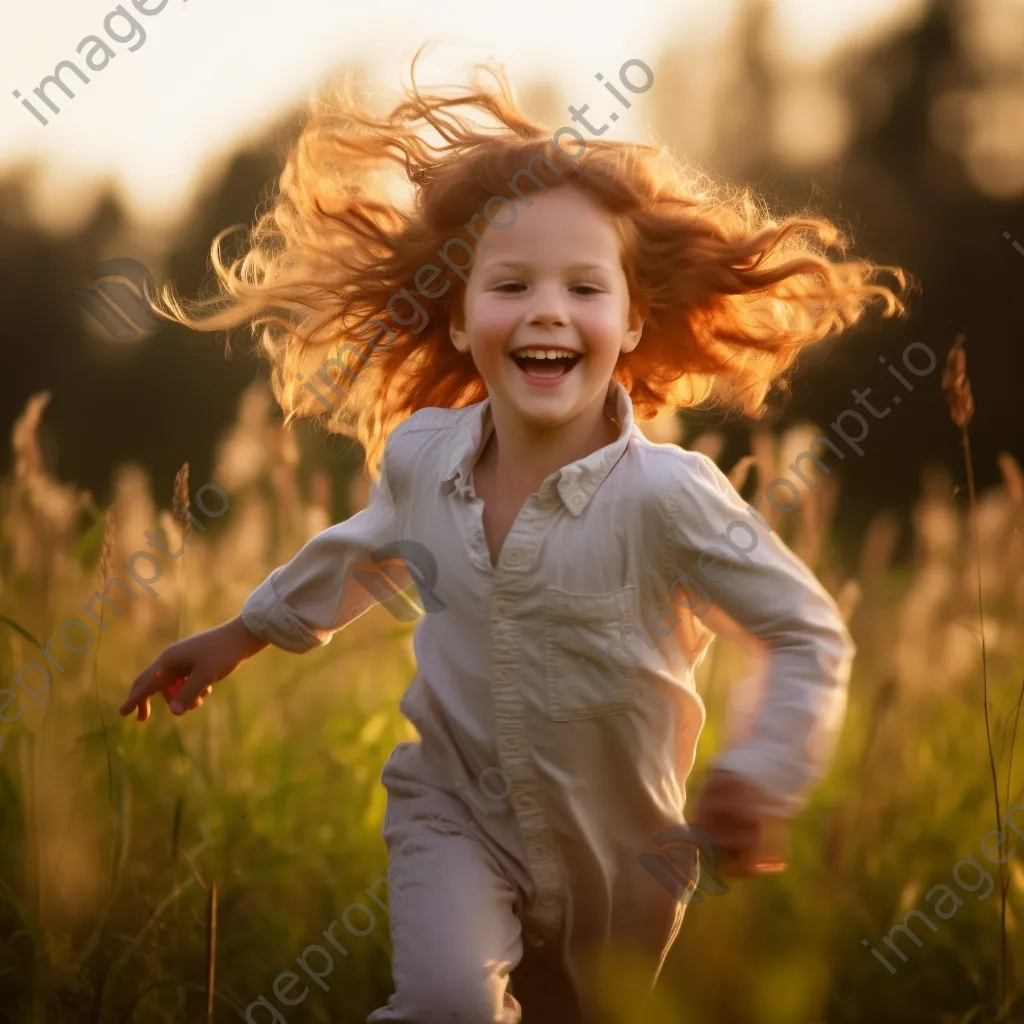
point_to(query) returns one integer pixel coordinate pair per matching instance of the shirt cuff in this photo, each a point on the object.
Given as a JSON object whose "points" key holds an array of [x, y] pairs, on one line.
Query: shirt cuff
{"points": [[264, 615]]}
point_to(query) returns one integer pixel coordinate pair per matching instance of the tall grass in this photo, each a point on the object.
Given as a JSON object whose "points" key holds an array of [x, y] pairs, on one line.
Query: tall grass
{"points": [[170, 872]]}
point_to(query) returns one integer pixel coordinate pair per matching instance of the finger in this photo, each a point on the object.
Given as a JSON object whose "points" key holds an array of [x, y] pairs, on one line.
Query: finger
{"points": [[204, 693], [145, 685], [739, 865], [134, 694], [173, 688], [190, 691], [752, 860], [772, 852], [769, 867], [169, 681]]}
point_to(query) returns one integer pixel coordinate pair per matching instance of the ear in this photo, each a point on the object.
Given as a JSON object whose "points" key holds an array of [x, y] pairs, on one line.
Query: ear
{"points": [[634, 329], [459, 338], [457, 331]]}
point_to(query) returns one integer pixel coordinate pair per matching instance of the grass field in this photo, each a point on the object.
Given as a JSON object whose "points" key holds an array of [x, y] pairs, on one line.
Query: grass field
{"points": [[112, 835]]}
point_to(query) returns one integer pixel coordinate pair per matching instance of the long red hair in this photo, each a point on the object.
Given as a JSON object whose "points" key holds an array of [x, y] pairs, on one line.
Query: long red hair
{"points": [[730, 295]]}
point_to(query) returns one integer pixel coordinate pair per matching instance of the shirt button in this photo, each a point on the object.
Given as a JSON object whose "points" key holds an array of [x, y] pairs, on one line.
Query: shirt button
{"points": [[514, 557], [539, 850], [504, 608], [577, 500]]}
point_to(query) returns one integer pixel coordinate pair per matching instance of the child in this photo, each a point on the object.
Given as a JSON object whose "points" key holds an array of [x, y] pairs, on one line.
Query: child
{"points": [[496, 400]]}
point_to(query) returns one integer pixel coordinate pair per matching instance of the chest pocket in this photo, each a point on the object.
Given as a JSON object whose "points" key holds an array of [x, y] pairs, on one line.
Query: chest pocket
{"points": [[588, 673]]}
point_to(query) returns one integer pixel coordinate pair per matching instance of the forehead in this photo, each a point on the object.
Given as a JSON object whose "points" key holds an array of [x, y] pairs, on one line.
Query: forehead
{"points": [[560, 226]]}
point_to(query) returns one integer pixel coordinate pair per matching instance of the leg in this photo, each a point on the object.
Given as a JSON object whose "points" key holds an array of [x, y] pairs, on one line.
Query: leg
{"points": [[613, 940], [454, 934], [545, 989]]}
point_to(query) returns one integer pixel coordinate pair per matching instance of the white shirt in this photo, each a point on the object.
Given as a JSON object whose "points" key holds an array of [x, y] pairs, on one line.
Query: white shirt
{"points": [[514, 672]]}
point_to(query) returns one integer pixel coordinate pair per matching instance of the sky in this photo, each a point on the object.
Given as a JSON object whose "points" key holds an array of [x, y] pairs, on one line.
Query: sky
{"points": [[161, 120]]}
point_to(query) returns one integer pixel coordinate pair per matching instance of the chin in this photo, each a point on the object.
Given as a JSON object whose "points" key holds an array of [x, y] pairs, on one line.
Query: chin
{"points": [[548, 403], [548, 411]]}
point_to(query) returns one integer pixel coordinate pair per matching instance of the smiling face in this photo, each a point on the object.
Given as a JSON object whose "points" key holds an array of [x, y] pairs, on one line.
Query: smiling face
{"points": [[547, 311]]}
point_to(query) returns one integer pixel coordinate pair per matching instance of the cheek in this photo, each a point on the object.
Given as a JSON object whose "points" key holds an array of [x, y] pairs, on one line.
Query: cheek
{"points": [[492, 324], [603, 328]]}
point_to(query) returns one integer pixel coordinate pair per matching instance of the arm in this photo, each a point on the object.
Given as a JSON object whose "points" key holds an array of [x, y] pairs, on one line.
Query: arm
{"points": [[299, 606], [772, 596]]}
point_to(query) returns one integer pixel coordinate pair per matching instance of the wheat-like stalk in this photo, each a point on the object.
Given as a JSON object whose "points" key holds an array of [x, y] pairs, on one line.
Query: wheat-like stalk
{"points": [[104, 573], [107, 550], [181, 502], [211, 950], [957, 386]]}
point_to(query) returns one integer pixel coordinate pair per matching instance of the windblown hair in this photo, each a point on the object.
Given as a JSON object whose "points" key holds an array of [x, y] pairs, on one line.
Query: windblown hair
{"points": [[355, 289]]}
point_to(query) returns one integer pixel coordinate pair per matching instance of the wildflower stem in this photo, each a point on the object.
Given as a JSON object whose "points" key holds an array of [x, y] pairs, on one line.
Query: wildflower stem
{"points": [[973, 501], [211, 949]]}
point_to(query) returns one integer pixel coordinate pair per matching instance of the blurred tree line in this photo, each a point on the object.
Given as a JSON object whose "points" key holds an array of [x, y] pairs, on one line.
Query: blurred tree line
{"points": [[901, 186]]}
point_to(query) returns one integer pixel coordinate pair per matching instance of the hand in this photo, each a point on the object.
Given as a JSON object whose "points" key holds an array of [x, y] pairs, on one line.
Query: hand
{"points": [[738, 813], [187, 670]]}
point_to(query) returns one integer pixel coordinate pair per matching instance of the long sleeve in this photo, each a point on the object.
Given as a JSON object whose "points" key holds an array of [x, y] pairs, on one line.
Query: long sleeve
{"points": [[752, 576], [302, 603]]}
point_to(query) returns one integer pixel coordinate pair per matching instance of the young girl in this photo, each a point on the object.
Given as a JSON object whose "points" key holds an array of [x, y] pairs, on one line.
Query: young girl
{"points": [[491, 343]]}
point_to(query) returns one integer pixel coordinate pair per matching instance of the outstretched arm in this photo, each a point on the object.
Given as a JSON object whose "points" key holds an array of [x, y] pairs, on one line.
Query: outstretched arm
{"points": [[299, 606]]}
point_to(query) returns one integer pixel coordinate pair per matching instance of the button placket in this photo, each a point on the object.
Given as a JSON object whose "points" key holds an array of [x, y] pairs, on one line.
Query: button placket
{"points": [[510, 583]]}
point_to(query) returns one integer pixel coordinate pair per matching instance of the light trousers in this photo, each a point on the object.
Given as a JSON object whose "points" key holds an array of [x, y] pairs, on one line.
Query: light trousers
{"points": [[457, 934]]}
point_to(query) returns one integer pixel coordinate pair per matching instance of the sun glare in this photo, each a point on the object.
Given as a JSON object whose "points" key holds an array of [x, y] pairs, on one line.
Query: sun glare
{"points": [[160, 99]]}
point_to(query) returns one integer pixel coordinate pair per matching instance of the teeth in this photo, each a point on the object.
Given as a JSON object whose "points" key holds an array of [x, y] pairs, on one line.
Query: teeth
{"points": [[545, 353]]}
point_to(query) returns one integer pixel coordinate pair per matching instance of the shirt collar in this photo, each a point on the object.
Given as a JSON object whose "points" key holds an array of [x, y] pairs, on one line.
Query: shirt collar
{"points": [[575, 484]]}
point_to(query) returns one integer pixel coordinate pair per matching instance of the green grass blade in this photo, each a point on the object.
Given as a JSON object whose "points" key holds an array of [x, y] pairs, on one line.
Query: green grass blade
{"points": [[21, 631]]}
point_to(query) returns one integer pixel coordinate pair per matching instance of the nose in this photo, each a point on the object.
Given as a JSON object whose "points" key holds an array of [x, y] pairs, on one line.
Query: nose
{"points": [[548, 308]]}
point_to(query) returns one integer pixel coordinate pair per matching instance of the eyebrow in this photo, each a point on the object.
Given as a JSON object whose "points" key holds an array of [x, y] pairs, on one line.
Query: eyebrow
{"points": [[522, 265]]}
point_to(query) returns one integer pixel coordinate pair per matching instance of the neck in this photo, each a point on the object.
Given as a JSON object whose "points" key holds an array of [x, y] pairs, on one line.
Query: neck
{"points": [[524, 456]]}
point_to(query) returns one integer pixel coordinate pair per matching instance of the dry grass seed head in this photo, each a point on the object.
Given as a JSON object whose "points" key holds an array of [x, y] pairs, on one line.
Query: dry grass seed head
{"points": [[108, 548], [182, 502], [957, 385]]}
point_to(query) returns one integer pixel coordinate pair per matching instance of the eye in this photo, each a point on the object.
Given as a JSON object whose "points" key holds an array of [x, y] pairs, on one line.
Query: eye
{"points": [[586, 289], [509, 287]]}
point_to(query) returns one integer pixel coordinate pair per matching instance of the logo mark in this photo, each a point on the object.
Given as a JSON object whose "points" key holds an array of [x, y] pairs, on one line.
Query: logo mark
{"points": [[386, 585], [122, 308], [685, 850]]}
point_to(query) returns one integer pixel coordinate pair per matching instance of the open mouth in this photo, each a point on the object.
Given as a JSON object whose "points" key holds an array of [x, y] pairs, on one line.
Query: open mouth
{"points": [[547, 364]]}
